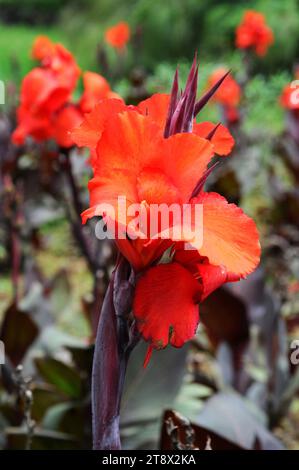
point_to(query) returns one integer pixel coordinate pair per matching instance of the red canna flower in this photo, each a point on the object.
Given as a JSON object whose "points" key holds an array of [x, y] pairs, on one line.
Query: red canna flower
{"points": [[156, 153], [118, 36], [289, 99], [185, 282], [63, 122], [157, 107], [90, 131], [228, 95], [254, 33], [37, 125], [41, 95], [42, 47], [172, 292], [58, 59], [290, 96], [96, 88], [44, 93]]}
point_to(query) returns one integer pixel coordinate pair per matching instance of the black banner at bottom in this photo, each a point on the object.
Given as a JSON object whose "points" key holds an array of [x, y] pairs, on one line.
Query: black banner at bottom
{"points": [[136, 459]]}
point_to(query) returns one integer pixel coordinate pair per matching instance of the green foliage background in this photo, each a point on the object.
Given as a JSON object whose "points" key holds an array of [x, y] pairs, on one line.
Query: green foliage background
{"points": [[173, 29], [171, 32]]}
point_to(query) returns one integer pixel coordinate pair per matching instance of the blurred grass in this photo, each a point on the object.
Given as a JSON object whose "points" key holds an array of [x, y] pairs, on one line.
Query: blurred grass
{"points": [[15, 46]]}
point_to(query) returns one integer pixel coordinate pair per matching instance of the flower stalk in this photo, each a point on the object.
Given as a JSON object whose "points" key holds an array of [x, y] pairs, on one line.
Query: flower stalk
{"points": [[116, 337]]}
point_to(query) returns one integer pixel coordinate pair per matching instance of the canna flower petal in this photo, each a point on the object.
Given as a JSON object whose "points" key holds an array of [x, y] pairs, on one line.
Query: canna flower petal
{"points": [[38, 126], [139, 164], [117, 36], [184, 172], [229, 93], [56, 58], [231, 114], [153, 164], [128, 148], [156, 107], [89, 132], [42, 47], [290, 96], [222, 139], [253, 32], [209, 276], [63, 65], [212, 277], [40, 92], [96, 88], [167, 314], [44, 90], [63, 122], [41, 95], [230, 237]]}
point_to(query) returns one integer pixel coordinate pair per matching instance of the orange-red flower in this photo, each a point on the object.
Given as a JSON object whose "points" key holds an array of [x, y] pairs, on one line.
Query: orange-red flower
{"points": [[155, 153], [118, 36], [157, 107], [42, 47], [167, 297], [167, 290], [289, 99], [290, 96], [228, 95], [254, 33], [58, 59], [45, 92], [96, 88], [63, 122], [41, 95]]}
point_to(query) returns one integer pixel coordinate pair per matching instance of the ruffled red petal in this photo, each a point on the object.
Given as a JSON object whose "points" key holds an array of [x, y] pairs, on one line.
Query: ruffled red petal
{"points": [[156, 107], [222, 140], [89, 132], [96, 88], [230, 237], [165, 305]]}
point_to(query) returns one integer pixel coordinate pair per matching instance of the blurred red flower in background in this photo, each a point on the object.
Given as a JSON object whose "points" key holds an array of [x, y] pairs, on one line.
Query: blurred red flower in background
{"points": [[118, 36], [46, 110], [63, 122], [45, 90], [253, 32], [228, 95], [41, 96], [289, 100], [58, 59], [96, 88], [42, 47], [290, 95]]}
